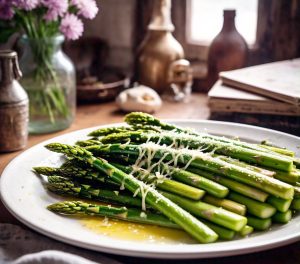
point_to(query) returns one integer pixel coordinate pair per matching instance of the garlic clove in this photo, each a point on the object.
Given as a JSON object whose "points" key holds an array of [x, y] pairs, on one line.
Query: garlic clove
{"points": [[140, 98]]}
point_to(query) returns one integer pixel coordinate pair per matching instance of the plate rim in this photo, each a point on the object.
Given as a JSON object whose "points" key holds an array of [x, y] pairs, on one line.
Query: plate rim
{"points": [[290, 238]]}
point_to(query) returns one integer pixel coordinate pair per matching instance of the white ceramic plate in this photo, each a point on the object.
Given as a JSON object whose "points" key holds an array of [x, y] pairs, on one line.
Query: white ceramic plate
{"points": [[24, 196]]}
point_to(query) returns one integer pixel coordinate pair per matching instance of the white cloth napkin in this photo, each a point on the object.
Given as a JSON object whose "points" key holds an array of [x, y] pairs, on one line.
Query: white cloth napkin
{"points": [[22, 246]]}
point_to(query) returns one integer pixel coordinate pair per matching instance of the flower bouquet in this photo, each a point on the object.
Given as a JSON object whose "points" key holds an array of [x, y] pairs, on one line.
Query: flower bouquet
{"points": [[48, 74]]}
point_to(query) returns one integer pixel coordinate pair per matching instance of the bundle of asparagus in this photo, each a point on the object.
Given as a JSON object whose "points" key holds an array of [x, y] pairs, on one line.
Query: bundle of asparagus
{"points": [[156, 173]]}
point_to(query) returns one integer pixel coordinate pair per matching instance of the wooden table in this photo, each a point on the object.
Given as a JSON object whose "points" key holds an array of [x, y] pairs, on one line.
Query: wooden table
{"points": [[99, 114]]}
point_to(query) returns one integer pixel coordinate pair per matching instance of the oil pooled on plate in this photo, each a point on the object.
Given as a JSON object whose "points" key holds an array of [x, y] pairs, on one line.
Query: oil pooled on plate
{"points": [[136, 232]]}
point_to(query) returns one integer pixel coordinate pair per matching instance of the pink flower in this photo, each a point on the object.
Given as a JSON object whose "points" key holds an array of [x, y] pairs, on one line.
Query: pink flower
{"points": [[6, 11], [27, 4], [86, 8], [56, 8], [71, 26]]}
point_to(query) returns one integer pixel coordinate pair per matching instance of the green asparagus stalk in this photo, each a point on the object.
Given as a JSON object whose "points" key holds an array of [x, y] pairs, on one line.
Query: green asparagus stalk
{"points": [[202, 161], [297, 191], [296, 204], [192, 179], [281, 151], [181, 189], [74, 172], [258, 223], [247, 166], [144, 119], [209, 212], [256, 208], [247, 230], [226, 204], [233, 185], [157, 201], [64, 186], [164, 184], [289, 177], [109, 130], [280, 204], [189, 178], [223, 233], [283, 218], [79, 208], [195, 142]]}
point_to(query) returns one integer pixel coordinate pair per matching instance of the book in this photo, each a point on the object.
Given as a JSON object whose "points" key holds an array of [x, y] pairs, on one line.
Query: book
{"points": [[223, 98], [277, 80]]}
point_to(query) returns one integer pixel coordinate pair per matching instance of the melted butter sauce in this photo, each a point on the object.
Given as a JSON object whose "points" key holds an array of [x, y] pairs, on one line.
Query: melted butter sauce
{"points": [[136, 232]]}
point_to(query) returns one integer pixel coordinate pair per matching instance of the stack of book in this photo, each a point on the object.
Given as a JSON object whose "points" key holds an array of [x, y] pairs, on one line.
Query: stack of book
{"points": [[266, 95]]}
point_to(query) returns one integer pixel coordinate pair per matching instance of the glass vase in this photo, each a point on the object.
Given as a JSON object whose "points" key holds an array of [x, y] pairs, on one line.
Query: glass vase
{"points": [[49, 79]]}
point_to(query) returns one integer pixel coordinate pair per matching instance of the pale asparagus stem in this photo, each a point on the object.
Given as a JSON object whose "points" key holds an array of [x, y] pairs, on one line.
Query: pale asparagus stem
{"points": [[163, 184], [203, 161], [209, 212], [289, 177], [281, 151], [238, 187], [256, 208], [189, 178], [227, 204], [189, 223], [247, 230]]}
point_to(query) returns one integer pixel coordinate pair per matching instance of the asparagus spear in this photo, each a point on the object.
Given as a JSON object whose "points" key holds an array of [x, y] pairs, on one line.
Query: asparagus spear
{"points": [[226, 204], [280, 204], [144, 119], [281, 151], [65, 186], [247, 230], [288, 177], [233, 185], [296, 204], [202, 161], [256, 208], [196, 142], [223, 233], [209, 212], [258, 223], [189, 223], [190, 178], [74, 172], [164, 183], [283, 218], [109, 130], [128, 214]]}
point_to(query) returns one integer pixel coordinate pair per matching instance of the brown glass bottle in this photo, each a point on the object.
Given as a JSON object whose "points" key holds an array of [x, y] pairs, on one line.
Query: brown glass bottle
{"points": [[228, 50]]}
